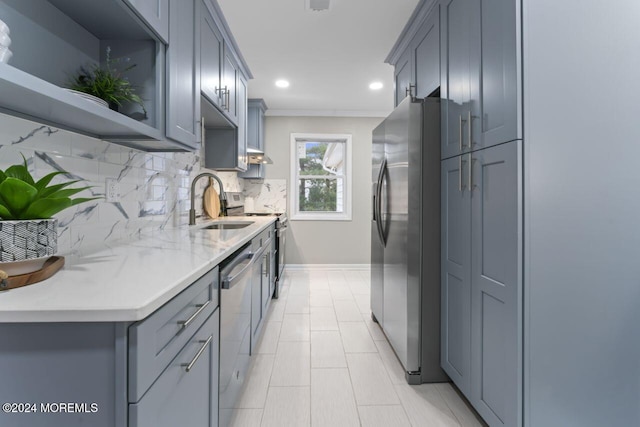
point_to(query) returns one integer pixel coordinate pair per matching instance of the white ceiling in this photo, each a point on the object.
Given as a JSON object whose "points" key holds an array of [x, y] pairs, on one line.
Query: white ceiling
{"points": [[328, 57]]}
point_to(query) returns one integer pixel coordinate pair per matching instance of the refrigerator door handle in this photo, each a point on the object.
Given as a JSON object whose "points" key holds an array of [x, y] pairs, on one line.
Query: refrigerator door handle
{"points": [[374, 205], [378, 199]]}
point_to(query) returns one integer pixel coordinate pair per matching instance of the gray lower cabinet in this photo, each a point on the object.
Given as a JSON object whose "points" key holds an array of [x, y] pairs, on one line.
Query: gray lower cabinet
{"points": [[456, 272], [478, 74], [256, 301], [183, 76], [186, 393], [155, 13], [260, 297], [267, 271], [496, 283], [160, 371], [272, 266], [481, 279]]}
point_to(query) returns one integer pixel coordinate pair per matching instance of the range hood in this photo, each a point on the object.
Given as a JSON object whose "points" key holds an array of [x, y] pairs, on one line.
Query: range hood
{"points": [[257, 157]]}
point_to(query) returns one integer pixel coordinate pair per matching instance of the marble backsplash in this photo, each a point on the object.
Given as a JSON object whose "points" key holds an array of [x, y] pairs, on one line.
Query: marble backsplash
{"points": [[268, 195], [154, 187]]}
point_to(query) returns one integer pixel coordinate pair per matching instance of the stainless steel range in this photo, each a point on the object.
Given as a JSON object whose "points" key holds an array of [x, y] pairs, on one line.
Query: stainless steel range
{"points": [[281, 232], [236, 208]]}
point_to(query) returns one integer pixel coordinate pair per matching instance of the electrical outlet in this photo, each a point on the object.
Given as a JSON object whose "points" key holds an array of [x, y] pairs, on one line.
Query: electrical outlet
{"points": [[112, 190]]}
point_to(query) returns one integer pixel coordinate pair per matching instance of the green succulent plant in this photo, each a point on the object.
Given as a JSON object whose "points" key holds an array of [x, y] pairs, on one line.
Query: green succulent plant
{"points": [[21, 197]]}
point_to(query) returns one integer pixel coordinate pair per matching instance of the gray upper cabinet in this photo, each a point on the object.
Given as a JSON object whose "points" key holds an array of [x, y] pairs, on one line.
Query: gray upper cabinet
{"points": [[456, 272], [155, 13], [425, 55], [457, 82], [496, 291], [478, 69], [402, 78], [416, 54], [230, 85], [211, 48], [255, 136], [498, 101], [183, 80], [226, 146], [224, 77], [255, 125], [242, 123]]}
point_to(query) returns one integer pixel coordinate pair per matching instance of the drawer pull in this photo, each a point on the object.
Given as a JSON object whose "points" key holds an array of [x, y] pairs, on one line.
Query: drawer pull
{"points": [[184, 323], [188, 366]]}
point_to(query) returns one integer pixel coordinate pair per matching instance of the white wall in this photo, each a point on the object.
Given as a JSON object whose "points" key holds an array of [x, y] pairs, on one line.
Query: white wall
{"points": [[326, 242]]}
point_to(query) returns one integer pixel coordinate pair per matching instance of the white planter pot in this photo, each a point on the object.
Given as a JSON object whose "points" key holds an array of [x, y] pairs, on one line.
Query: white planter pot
{"points": [[26, 245]]}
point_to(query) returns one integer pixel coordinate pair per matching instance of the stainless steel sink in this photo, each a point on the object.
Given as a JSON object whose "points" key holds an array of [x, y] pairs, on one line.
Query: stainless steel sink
{"points": [[227, 225]]}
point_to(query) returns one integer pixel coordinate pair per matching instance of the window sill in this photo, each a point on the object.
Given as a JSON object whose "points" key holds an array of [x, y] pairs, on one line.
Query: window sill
{"points": [[320, 217]]}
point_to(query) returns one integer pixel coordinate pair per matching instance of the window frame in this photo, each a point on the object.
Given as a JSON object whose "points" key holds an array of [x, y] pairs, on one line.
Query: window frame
{"points": [[294, 203]]}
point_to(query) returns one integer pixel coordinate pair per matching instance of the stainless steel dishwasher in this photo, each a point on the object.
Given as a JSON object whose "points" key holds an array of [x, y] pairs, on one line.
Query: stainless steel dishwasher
{"points": [[235, 327]]}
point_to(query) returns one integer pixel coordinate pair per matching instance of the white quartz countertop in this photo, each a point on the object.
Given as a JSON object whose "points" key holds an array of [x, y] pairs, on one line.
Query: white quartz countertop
{"points": [[130, 280]]}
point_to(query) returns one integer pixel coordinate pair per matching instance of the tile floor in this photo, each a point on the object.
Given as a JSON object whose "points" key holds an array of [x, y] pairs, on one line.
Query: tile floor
{"points": [[321, 361]]}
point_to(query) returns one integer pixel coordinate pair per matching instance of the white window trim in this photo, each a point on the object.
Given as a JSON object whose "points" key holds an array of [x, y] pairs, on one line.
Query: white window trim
{"points": [[295, 215]]}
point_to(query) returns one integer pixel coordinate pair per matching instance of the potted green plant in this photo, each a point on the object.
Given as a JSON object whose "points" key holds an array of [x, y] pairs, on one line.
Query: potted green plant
{"points": [[107, 83], [28, 231]]}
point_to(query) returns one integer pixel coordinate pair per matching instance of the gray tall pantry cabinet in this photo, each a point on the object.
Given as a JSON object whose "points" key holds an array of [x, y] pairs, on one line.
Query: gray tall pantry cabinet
{"points": [[481, 278], [481, 206], [539, 239]]}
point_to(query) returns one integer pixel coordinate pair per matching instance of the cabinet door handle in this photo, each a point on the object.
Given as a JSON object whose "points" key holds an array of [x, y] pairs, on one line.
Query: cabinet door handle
{"points": [[202, 131], [220, 92], [460, 134], [460, 174], [409, 90], [188, 366], [268, 265], [469, 127], [461, 186], [471, 160], [201, 307]]}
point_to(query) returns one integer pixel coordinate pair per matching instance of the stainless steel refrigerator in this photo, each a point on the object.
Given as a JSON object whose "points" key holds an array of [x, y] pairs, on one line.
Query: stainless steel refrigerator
{"points": [[405, 236]]}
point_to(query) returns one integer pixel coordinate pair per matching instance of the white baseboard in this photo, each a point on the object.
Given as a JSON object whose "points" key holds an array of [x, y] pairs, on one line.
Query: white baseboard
{"points": [[326, 267]]}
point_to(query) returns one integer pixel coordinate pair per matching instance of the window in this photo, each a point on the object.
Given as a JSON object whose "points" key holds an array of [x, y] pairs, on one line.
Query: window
{"points": [[320, 177]]}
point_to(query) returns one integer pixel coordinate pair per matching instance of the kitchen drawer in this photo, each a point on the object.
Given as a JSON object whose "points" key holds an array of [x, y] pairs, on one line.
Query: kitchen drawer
{"points": [[180, 397], [262, 238], [155, 341]]}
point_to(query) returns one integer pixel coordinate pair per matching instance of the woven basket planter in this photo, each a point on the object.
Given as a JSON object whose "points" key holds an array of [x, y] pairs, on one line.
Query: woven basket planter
{"points": [[26, 245]]}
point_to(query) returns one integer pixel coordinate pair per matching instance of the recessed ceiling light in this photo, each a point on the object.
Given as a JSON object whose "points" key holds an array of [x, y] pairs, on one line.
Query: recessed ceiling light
{"points": [[282, 83], [376, 86]]}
